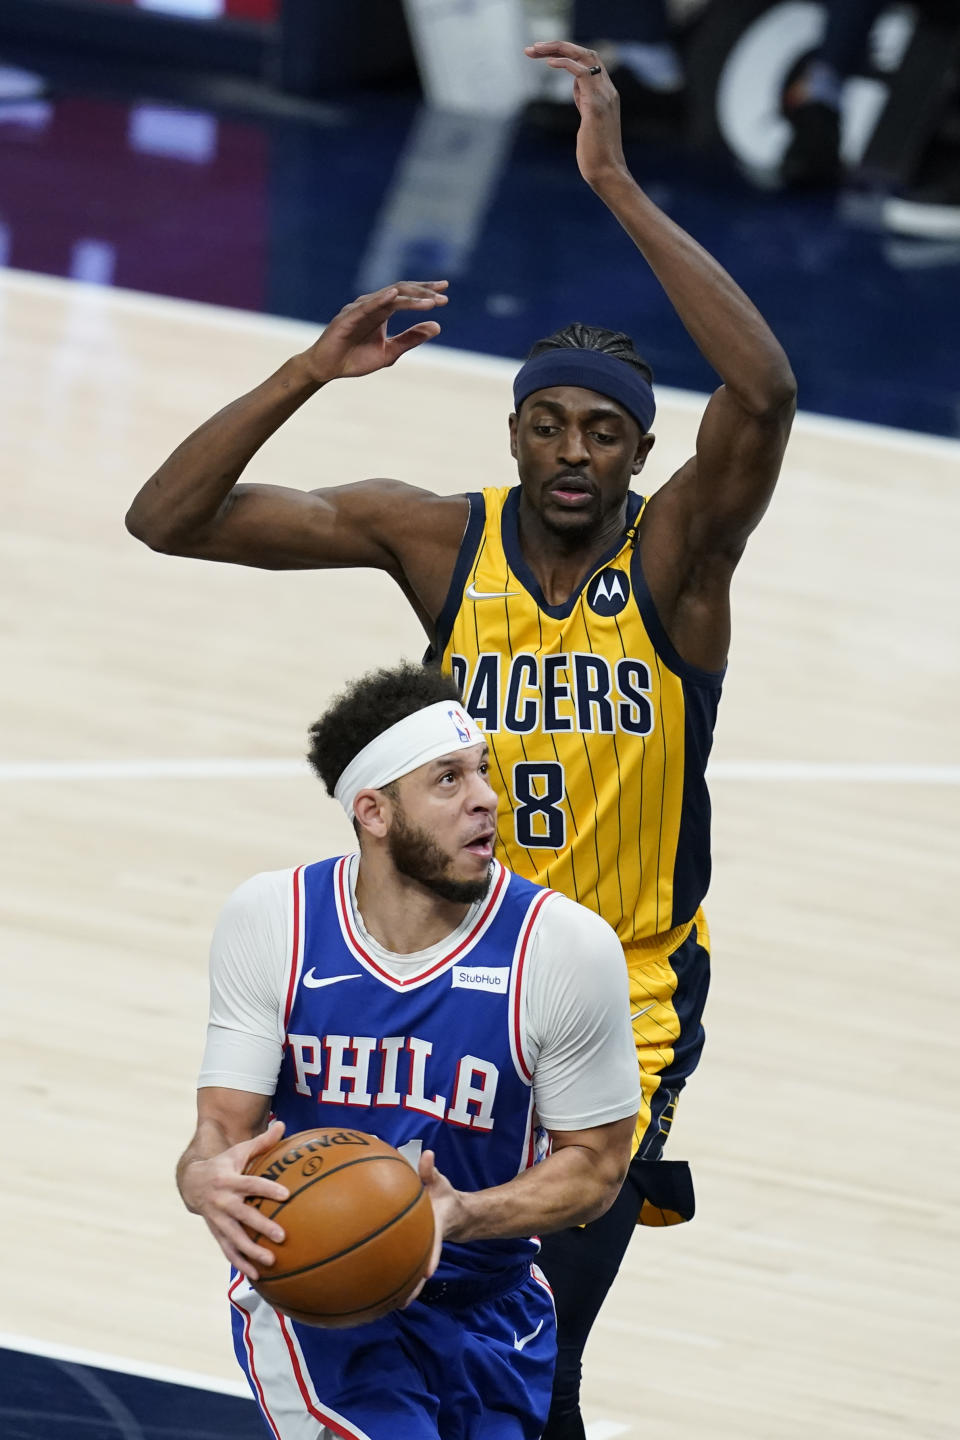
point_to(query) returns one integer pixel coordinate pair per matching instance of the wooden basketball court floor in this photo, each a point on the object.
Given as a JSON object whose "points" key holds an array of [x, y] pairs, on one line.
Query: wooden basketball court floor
{"points": [[154, 711]]}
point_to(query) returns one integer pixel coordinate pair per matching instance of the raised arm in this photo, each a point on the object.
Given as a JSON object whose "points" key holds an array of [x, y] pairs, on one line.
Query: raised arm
{"points": [[194, 505], [698, 524]]}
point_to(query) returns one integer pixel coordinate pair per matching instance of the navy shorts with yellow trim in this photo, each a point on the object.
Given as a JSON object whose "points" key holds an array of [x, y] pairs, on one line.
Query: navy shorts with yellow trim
{"points": [[669, 980]]}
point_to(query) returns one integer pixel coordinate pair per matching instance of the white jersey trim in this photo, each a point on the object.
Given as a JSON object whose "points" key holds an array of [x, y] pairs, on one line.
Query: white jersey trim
{"points": [[518, 996], [436, 966], [280, 1376], [297, 926]]}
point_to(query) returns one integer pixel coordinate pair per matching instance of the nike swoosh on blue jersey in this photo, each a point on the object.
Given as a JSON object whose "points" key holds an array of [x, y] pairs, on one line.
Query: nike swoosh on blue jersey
{"points": [[316, 982]]}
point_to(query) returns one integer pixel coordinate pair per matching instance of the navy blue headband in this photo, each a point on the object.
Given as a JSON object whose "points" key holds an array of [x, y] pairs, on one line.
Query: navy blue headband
{"points": [[590, 370]]}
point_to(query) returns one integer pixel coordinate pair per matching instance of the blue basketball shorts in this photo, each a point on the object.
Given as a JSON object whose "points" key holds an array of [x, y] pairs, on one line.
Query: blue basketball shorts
{"points": [[429, 1372]]}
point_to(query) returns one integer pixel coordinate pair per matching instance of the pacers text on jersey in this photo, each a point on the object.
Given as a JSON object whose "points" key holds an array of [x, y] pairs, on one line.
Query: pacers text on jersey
{"points": [[578, 692]]}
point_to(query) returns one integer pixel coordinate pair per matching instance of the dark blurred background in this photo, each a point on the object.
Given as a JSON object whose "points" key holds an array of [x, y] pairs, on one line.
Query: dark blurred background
{"points": [[285, 155]]}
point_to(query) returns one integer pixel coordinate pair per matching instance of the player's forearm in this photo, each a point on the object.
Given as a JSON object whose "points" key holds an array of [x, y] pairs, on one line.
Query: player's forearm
{"points": [[184, 496], [723, 323], [571, 1187]]}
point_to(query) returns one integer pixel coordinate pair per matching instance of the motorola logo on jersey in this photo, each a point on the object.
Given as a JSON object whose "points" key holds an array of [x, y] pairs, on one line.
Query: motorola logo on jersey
{"points": [[608, 592]]}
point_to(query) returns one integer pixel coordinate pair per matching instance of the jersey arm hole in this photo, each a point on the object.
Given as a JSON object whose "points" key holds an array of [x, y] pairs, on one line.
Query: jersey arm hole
{"points": [[472, 535], [523, 1046], [524, 1041], [296, 916], [660, 640]]}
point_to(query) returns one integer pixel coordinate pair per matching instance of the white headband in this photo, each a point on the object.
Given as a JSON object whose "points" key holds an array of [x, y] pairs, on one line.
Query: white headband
{"points": [[412, 742]]}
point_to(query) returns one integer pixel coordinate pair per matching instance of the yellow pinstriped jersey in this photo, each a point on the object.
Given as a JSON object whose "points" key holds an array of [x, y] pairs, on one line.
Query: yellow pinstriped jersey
{"points": [[599, 731]]}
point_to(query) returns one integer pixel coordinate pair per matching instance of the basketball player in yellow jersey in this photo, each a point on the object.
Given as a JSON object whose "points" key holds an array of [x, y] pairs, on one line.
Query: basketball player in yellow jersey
{"points": [[588, 628]]}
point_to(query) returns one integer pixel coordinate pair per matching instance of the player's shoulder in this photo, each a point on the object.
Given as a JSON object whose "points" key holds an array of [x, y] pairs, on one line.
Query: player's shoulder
{"points": [[562, 914], [564, 921], [268, 889], [577, 964]]}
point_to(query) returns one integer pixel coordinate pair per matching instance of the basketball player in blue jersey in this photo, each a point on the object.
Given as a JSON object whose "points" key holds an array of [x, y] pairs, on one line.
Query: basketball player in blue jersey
{"points": [[419, 991], [587, 626]]}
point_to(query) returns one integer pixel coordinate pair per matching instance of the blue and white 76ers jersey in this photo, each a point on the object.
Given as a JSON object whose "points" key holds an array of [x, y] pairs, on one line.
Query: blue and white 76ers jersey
{"points": [[435, 1061]]}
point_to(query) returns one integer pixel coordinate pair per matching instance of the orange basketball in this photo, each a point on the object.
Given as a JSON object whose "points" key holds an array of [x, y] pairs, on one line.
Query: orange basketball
{"points": [[359, 1227]]}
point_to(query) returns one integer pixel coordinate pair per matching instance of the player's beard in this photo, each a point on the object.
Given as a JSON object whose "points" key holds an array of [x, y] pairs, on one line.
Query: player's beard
{"points": [[417, 855]]}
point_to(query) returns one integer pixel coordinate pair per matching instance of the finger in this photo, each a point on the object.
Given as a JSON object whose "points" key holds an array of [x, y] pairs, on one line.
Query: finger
{"points": [[577, 60], [233, 1232], [362, 323], [239, 1262], [239, 1249], [260, 1224], [410, 1298], [427, 1168], [576, 68], [258, 1185], [398, 345], [409, 302], [434, 1260], [542, 48], [430, 292], [267, 1139]]}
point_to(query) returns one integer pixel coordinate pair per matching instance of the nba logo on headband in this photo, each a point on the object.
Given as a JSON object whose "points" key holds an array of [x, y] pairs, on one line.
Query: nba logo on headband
{"points": [[461, 727]]}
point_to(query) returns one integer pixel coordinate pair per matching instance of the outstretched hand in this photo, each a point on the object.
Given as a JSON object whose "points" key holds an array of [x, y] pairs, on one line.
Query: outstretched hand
{"points": [[356, 341], [599, 139]]}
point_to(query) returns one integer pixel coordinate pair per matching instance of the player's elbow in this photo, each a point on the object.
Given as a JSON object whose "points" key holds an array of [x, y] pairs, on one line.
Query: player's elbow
{"points": [[783, 391], [770, 396], [154, 532], [607, 1173], [605, 1192], [777, 398], [142, 528]]}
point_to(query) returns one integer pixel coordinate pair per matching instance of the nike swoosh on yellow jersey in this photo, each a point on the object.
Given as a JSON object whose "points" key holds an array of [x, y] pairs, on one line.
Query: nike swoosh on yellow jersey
{"points": [[472, 593]]}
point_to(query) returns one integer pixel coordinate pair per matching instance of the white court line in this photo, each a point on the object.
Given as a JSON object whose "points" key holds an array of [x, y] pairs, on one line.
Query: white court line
{"points": [[72, 1355], [301, 333], [149, 769], [749, 771], [835, 771]]}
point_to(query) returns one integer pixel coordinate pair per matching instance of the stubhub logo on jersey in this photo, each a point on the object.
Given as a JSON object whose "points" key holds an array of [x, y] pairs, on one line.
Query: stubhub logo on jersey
{"points": [[482, 977]]}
